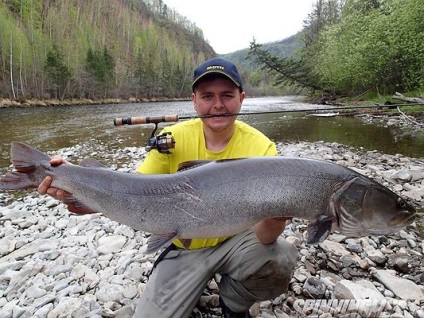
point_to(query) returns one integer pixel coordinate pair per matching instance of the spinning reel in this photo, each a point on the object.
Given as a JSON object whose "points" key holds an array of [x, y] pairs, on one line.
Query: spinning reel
{"points": [[164, 143]]}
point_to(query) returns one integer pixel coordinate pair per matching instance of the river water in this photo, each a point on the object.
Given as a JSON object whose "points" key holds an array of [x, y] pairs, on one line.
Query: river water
{"points": [[52, 128]]}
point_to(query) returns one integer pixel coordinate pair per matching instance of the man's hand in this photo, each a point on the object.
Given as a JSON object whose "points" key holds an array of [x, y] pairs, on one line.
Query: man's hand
{"points": [[44, 187], [59, 194], [270, 229]]}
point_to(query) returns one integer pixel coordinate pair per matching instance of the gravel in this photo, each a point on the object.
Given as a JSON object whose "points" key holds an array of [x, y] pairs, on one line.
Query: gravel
{"points": [[57, 264]]}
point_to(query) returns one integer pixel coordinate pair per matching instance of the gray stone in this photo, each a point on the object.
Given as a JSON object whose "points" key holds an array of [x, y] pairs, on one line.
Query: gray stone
{"points": [[376, 256], [360, 289], [401, 265], [110, 292], [111, 244], [334, 248], [315, 287], [13, 266], [66, 307], [44, 311], [402, 288], [35, 292], [124, 312]]}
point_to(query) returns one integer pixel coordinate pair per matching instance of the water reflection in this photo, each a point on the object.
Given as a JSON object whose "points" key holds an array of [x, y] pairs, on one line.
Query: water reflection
{"points": [[344, 130]]}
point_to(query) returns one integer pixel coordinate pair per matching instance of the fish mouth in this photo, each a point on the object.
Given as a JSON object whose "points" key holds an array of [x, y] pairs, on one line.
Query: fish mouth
{"points": [[397, 223], [403, 219]]}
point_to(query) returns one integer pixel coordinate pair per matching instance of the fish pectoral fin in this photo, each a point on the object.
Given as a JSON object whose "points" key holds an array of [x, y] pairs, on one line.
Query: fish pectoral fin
{"points": [[319, 230], [69, 199], [157, 241]]}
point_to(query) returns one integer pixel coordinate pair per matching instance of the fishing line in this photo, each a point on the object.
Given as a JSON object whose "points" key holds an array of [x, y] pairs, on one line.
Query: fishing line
{"points": [[175, 118]]}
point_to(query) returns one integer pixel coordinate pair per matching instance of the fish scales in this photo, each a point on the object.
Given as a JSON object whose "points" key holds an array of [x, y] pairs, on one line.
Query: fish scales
{"points": [[262, 187], [222, 198]]}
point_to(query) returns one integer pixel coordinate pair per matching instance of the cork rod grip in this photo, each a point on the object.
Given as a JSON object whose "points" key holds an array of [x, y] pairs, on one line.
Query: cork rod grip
{"points": [[145, 120]]}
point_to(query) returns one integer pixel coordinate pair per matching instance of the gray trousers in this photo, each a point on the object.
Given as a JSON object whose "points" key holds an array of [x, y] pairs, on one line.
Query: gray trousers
{"points": [[250, 272]]}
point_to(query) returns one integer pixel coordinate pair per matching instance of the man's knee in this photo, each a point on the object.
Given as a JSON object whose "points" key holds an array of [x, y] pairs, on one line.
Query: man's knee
{"points": [[273, 278]]}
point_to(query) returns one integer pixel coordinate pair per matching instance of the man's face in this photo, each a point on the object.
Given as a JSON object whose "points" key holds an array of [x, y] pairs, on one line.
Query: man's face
{"points": [[217, 95]]}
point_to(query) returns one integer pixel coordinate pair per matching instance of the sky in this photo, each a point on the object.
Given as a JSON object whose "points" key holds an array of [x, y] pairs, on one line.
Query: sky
{"points": [[230, 25]]}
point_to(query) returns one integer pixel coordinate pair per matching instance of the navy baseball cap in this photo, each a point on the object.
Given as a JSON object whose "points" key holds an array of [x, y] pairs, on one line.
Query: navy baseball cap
{"points": [[217, 66]]}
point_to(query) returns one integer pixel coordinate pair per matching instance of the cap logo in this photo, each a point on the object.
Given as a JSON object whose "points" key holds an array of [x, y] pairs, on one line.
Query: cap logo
{"points": [[213, 67]]}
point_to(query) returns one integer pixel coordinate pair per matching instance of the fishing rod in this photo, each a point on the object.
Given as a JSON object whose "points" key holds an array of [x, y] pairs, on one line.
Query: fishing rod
{"points": [[165, 142], [119, 121]]}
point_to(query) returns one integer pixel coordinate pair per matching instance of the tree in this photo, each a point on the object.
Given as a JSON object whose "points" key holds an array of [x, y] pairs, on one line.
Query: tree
{"points": [[100, 66], [287, 71], [58, 72], [355, 47]]}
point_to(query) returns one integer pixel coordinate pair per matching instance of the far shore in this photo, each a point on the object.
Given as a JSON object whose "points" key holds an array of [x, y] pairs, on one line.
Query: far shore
{"points": [[7, 103], [21, 103], [34, 102]]}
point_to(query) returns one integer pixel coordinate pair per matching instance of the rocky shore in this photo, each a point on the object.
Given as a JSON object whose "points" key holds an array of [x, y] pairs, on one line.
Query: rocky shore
{"points": [[8, 103], [56, 264]]}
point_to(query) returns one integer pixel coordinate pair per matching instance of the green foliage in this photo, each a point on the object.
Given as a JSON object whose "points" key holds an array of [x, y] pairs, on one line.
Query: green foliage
{"points": [[96, 49], [361, 46], [58, 71], [101, 67], [287, 71], [376, 46], [257, 81]]}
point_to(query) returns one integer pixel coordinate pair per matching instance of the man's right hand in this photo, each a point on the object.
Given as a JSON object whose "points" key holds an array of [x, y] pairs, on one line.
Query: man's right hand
{"points": [[59, 194]]}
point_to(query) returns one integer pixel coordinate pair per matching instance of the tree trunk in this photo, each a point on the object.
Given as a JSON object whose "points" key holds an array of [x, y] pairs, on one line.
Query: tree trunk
{"points": [[11, 67]]}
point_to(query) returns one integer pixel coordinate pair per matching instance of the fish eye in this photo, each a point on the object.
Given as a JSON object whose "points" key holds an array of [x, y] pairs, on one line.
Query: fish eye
{"points": [[402, 203]]}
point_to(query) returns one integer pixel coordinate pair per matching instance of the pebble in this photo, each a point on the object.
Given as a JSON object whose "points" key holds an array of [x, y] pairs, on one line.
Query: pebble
{"points": [[55, 264]]}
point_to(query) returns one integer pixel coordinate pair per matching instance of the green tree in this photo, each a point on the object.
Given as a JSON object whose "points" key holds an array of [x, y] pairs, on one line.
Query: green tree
{"points": [[101, 69], [287, 71], [58, 72], [361, 46]]}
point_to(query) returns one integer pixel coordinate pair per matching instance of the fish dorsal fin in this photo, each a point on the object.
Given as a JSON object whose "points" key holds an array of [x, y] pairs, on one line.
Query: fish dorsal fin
{"points": [[230, 159], [198, 163], [186, 165], [26, 158], [92, 163]]}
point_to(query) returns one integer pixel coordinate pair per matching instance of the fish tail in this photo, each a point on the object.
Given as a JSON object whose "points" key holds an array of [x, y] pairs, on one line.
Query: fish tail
{"points": [[29, 172]]}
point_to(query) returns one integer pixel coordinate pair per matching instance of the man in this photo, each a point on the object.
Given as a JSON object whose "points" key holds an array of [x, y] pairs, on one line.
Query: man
{"points": [[254, 265]]}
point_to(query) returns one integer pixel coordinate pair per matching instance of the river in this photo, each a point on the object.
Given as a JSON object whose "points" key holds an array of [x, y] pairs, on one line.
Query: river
{"points": [[51, 128]]}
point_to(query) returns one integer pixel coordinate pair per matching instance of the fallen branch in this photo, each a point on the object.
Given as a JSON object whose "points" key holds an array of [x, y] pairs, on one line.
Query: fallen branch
{"points": [[408, 99]]}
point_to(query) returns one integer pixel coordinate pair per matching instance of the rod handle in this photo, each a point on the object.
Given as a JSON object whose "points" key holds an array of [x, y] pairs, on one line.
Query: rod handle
{"points": [[144, 120]]}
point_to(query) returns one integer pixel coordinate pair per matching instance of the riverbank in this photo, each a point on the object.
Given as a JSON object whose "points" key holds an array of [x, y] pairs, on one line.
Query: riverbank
{"points": [[56, 264], [7, 103]]}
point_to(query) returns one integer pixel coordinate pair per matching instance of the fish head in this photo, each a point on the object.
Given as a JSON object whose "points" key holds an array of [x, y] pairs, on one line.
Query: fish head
{"points": [[364, 207]]}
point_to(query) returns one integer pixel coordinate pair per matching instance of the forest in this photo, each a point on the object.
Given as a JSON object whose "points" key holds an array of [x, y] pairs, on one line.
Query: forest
{"points": [[135, 49], [97, 49], [354, 48]]}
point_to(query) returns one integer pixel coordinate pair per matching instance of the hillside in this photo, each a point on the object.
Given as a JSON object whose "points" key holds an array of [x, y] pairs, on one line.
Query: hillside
{"points": [[259, 82], [96, 49], [283, 48]]}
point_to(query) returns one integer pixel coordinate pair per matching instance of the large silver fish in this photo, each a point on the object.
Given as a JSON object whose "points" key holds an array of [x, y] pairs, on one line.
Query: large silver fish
{"points": [[221, 198]]}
